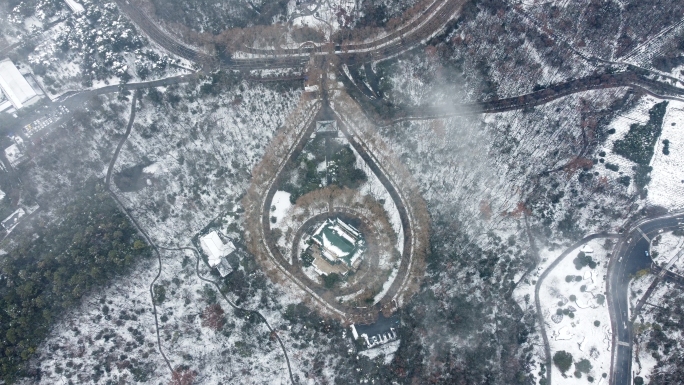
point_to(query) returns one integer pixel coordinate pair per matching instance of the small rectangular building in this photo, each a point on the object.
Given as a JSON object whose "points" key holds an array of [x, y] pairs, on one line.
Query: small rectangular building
{"points": [[75, 7], [15, 87], [13, 220], [215, 248], [224, 268], [15, 156]]}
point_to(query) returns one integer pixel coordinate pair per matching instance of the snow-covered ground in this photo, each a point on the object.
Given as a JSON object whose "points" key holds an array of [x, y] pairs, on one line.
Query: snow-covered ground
{"points": [[665, 245], [637, 288], [667, 249], [666, 188], [327, 16], [385, 351], [204, 157], [643, 361], [114, 330], [489, 173], [583, 327], [636, 115], [76, 52]]}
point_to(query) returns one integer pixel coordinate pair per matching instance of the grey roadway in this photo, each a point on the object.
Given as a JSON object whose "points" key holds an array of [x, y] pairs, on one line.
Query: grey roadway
{"points": [[75, 100], [629, 258]]}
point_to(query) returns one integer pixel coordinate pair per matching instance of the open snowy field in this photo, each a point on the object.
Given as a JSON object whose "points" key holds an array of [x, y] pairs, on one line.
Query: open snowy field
{"points": [[576, 312]]}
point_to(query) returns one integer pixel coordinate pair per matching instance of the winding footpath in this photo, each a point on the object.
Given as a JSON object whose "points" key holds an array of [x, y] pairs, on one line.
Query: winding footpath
{"points": [[139, 228], [234, 306], [156, 248], [123, 140]]}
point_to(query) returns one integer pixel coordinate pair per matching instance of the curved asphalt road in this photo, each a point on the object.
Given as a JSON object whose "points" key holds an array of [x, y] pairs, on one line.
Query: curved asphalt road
{"points": [[630, 258]]}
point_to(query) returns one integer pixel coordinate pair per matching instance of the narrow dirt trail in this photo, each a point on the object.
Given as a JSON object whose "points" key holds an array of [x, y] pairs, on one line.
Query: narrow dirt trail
{"points": [[137, 226]]}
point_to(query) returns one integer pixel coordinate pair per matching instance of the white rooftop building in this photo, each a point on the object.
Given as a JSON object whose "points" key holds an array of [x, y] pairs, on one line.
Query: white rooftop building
{"points": [[13, 84], [75, 7], [14, 155], [215, 248]]}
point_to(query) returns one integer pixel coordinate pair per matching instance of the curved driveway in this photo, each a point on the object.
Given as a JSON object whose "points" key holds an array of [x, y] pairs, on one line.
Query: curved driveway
{"points": [[629, 258], [403, 215], [383, 46]]}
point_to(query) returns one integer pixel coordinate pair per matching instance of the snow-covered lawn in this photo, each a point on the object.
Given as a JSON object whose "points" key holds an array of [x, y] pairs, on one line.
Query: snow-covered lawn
{"points": [[621, 124], [281, 203], [665, 246], [583, 326], [667, 178], [667, 251]]}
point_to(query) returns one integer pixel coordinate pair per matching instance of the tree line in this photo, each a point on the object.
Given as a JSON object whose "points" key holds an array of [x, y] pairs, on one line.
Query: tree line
{"points": [[48, 270]]}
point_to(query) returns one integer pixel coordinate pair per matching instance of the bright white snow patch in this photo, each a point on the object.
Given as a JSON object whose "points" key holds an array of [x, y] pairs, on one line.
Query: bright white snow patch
{"points": [[152, 169], [386, 351], [281, 202]]}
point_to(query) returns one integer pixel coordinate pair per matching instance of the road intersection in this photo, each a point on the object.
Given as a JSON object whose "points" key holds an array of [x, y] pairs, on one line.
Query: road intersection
{"points": [[632, 254]]}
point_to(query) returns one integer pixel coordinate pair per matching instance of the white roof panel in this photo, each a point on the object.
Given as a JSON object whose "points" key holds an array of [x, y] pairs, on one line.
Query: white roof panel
{"points": [[215, 248], [74, 6], [13, 84]]}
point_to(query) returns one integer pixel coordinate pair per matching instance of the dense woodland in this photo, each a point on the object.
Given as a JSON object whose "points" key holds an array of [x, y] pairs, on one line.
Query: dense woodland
{"points": [[639, 143], [48, 271], [662, 339], [303, 174], [215, 16]]}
